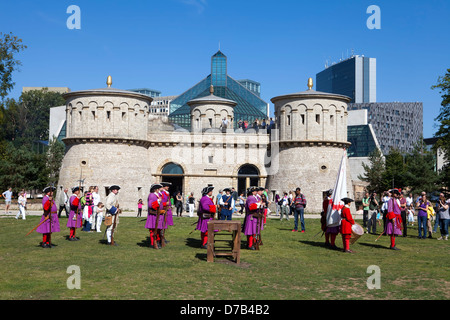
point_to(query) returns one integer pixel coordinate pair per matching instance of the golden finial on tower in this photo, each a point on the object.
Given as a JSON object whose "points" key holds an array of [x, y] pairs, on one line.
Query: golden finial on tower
{"points": [[211, 89], [310, 83], [109, 81]]}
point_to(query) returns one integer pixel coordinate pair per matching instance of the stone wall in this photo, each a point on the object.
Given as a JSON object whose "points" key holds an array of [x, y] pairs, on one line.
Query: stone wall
{"points": [[311, 167], [207, 158], [107, 163]]}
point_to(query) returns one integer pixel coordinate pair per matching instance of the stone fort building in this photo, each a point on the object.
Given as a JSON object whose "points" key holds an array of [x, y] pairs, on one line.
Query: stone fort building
{"points": [[111, 138]]}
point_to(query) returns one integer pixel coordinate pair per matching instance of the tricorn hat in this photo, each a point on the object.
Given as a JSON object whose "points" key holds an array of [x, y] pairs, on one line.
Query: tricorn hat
{"points": [[251, 189], [75, 189], [207, 189], [395, 191], [114, 187], [166, 184], [49, 189], [347, 200], [155, 186]]}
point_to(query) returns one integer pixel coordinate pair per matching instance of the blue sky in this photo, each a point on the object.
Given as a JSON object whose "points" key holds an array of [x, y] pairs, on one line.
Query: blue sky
{"points": [[167, 45]]}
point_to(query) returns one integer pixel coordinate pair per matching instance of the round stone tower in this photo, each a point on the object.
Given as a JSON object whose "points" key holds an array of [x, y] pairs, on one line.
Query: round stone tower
{"points": [[307, 148], [106, 141], [208, 112]]}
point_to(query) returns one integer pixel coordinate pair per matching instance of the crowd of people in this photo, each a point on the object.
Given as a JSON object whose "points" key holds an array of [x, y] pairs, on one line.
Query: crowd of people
{"points": [[257, 124], [417, 209], [291, 203], [85, 210]]}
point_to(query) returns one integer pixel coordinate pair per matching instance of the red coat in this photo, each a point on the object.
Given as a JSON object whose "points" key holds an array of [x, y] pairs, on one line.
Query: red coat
{"points": [[347, 221]]}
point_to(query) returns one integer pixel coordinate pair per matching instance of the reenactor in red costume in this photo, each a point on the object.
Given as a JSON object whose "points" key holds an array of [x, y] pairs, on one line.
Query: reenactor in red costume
{"points": [[346, 224]]}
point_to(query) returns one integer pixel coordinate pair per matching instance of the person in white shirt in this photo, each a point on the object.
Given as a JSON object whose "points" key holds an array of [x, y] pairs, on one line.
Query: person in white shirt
{"points": [[191, 202], [409, 200], [22, 203], [285, 207], [63, 198], [98, 212], [7, 195], [224, 125], [384, 207], [95, 222], [97, 215]]}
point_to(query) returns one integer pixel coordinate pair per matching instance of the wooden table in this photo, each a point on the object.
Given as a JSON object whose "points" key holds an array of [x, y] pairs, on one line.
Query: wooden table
{"points": [[228, 228]]}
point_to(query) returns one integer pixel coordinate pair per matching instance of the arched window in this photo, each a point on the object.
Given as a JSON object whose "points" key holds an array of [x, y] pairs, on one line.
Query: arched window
{"points": [[248, 176], [172, 168], [248, 170]]}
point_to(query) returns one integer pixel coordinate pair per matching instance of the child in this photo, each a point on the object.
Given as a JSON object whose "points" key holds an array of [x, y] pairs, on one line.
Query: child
{"points": [[378, 218], [22, 203], [140, 203], [410, 217], [99, 213]]}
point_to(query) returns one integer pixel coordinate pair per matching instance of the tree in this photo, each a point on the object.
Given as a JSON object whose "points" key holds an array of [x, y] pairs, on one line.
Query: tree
{"points": [[420, 172], [394, 174], [55, 155], [443, 133], [22, 168], [9, 46], [27, 120], [374, 172]]}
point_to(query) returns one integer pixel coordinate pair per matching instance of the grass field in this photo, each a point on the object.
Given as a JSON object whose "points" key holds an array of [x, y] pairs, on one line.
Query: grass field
{"points": [[289, 266]]}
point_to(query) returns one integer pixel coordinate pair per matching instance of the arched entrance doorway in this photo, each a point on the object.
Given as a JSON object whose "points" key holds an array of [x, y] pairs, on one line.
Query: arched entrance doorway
{"points": [[173, 173], [248, 176]]}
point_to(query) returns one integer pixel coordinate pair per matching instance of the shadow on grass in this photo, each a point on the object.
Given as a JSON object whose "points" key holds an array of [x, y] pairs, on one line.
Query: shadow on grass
{"points": [[67, 237], [201, 256], [373, 245], [314, 243], [321, 244], [193, 242], [145, 243]]}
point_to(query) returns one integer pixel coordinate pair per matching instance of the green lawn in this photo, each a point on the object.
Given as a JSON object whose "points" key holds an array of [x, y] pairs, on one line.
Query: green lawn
{"points": [[289, 266]]}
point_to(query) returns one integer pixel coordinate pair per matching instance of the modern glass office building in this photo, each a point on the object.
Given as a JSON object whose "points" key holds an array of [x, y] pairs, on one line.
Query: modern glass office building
{"points": [[397, 125], [354, 77], [362, 139], [251, 85], [249, 105], [150, 92]]}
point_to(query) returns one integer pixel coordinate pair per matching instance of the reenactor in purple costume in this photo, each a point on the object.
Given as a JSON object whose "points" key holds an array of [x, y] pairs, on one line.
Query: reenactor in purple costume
{"points": [[206, 211], [49, 222], [75, 219]]}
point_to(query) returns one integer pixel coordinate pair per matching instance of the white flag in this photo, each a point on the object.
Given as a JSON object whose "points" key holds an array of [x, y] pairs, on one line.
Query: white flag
{"points": [[339, 192]]}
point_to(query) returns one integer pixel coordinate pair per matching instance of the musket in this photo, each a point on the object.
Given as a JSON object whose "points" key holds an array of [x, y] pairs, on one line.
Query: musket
{"points": [[163, 231], [219, 210], [78, 207], [50, 214], [259, 225], [155, 229], [114, 225], [50, 217], [43, 221], [40, 223], [379, 236], [318, 234]]}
